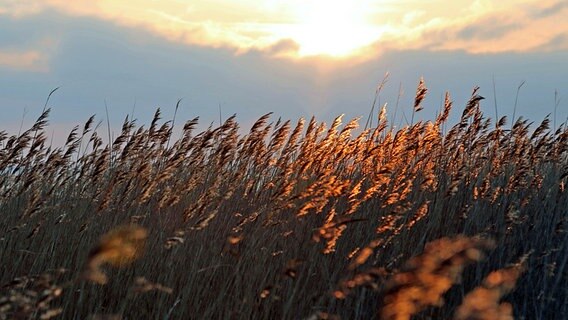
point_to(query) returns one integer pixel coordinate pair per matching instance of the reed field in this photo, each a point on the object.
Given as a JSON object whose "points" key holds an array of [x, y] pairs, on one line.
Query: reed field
{"points": [[292, 220]]}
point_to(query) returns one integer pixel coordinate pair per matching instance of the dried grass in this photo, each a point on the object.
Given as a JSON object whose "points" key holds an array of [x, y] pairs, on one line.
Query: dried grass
{"points": [[304, 221]]}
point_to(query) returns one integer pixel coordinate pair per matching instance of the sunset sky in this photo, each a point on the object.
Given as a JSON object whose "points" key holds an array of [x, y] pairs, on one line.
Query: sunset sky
{"points": [[295, 57]]}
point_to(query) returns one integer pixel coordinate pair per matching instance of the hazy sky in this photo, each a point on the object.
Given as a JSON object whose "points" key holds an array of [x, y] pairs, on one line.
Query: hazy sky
{"points": [[295, 57]]}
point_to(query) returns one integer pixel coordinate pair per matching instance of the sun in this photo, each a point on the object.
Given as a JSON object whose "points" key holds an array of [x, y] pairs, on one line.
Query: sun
{"points": [[335, 28]]}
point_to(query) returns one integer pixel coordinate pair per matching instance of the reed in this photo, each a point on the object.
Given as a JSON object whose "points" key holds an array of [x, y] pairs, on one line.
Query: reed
{"points": [[287, 221]]}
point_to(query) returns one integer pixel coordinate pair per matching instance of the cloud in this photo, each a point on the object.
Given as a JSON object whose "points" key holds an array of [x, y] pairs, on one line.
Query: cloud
{"points": [[557, 43], [485, 28], [95, 61], [26, 61], [488, 30], [553, 9], [21, 8], [271, 27], [284, 48], [26, 46]]}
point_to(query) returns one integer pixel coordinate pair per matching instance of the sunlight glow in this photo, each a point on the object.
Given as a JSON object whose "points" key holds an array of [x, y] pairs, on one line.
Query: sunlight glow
{"points": [[334, 27]]}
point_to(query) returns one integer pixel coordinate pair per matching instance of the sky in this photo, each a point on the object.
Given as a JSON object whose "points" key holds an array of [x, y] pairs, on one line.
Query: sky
{"points": [[296, 58]]}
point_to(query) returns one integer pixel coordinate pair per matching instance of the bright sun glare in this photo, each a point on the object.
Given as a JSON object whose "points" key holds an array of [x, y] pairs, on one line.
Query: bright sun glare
{"points": [[334, 27]]}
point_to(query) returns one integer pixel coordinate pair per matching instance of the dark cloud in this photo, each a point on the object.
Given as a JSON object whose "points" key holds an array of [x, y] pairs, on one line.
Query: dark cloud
{"points": [[541, 13], [560, 42], [488, 29], [284, 46]]}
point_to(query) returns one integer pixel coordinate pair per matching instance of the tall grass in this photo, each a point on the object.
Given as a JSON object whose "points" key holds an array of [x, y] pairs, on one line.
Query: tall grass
{"points": [[290, 221]]}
